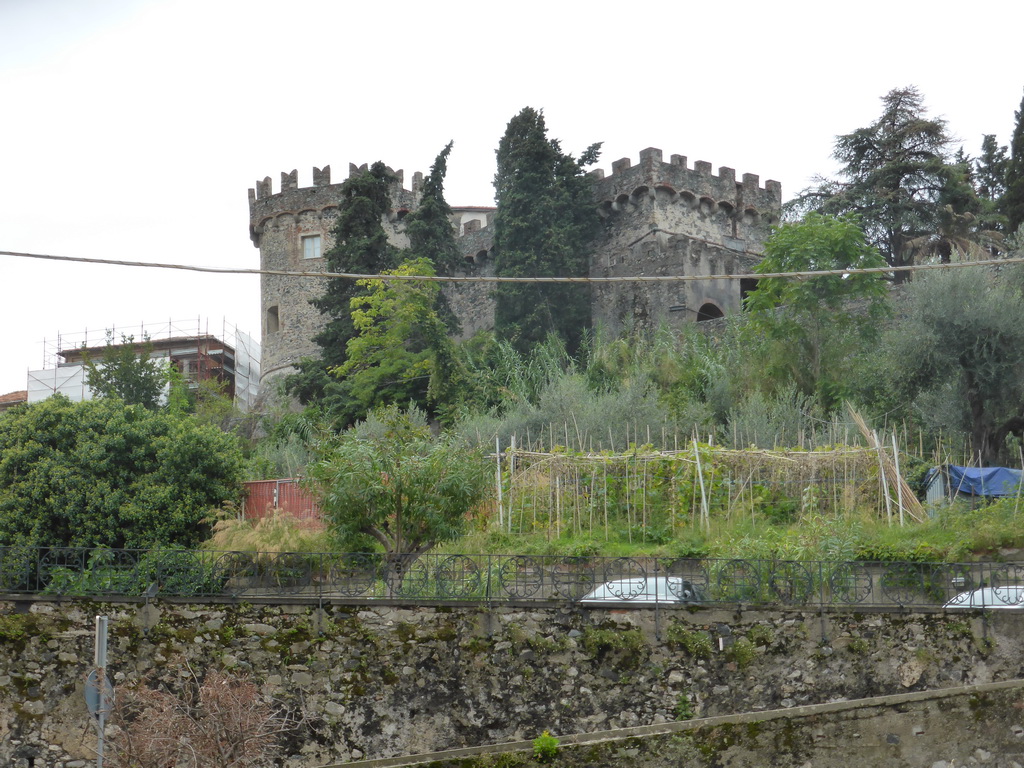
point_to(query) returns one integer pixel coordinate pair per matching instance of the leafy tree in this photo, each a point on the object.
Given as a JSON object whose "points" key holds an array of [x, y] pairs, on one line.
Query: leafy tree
{"points": [[896, 175], [102, 473], [128, 372], [960, 348], [1013, 199], [818, 327], [387, 478], [388, 359], [361, 246], [543, 226]]}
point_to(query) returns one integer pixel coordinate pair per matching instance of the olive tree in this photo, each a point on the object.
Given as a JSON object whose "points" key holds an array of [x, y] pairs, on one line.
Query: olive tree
{"points": [[955, 360], [388, 478]]}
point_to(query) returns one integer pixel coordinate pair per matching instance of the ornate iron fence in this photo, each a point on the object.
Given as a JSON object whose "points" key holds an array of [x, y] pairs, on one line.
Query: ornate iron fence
{"points": [[589, 581]]}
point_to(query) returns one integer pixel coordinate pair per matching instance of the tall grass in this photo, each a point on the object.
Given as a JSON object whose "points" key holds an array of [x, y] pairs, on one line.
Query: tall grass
{"points": [[277, 532]]}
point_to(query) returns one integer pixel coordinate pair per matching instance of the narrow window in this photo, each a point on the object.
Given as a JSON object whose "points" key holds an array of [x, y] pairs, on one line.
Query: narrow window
{"points": [[311, 247], [273, 320]]}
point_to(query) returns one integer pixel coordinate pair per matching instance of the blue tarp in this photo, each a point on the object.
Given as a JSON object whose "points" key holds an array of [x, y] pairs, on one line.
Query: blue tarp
{"points": [[976, 481]]}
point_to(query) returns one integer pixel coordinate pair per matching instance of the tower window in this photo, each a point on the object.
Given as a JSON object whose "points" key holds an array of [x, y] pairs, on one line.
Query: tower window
{"points": [[273, 320], [311, 246]]}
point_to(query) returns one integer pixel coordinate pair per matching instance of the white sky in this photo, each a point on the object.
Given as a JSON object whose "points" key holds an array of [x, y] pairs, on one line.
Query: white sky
{"points": [[132, 129]]}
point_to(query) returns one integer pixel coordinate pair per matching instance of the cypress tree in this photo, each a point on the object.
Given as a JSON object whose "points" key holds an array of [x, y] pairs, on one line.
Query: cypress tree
{"points": [[429, 227], [990, 169], [1013, 199], [544, 224], [431, 235], [360, 246]]}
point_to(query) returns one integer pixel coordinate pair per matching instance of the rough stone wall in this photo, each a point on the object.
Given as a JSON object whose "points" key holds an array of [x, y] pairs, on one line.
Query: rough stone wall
{"points": [[473, 303], [980, 725], [376, 681]]}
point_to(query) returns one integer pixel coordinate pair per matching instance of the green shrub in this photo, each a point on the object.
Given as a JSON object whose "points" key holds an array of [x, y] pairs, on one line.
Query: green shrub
{"points": [[176, 571], [684, 707], [597, 641], [104, 473], [696, 643], [859, 646], [545, 748], [742, 652]]}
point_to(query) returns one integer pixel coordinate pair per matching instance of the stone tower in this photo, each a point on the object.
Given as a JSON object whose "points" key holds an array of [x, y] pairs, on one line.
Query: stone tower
{"points": [[293, 229], [668, 219]]}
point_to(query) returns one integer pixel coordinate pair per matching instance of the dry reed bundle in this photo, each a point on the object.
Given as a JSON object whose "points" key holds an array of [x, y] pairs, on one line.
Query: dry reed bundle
{"points": [[892, 478]]}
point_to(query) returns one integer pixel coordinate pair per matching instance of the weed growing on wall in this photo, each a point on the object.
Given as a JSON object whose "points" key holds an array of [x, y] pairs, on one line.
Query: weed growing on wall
{"points": [[684, 707], [696, 643], [742, 652], [545, 748]]}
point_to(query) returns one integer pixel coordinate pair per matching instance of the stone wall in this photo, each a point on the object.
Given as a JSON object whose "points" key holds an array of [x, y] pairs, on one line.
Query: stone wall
{"points": [[374, 680], [976, 725], [668, 219]]}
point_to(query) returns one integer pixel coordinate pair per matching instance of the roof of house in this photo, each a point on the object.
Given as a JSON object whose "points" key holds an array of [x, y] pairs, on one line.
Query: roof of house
{"points": [[14, 398]]}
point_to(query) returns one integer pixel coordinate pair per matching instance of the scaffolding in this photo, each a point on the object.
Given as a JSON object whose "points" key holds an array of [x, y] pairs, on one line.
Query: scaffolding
{"points": [[225, 355]]}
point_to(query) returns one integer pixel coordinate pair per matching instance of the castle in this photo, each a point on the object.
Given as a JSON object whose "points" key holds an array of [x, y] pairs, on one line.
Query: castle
{"points": [[663, 218]]}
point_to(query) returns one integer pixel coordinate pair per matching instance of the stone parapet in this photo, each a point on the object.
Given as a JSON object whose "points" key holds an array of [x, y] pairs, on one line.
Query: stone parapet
{"points": [[675, 177]]}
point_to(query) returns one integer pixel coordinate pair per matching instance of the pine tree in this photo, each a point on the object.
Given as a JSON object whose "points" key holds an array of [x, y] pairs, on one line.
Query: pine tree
{"points": [[544, 223], [898, 175], [1013, 199]]}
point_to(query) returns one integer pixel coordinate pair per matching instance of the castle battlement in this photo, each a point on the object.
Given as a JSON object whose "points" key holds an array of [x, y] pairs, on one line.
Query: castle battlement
{"points": [[675, 179], [322, 178], [293, 201]]}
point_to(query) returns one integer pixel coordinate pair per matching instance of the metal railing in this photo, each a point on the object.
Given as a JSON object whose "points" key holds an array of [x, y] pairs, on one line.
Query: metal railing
{"points": [[590, 581]]}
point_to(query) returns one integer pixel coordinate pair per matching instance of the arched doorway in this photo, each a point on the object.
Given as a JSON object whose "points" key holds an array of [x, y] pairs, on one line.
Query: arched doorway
{"points": [[709, 311]]}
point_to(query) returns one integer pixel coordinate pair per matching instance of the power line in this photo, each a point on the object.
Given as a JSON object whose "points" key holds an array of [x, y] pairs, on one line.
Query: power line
{"points": [[495, 279]]}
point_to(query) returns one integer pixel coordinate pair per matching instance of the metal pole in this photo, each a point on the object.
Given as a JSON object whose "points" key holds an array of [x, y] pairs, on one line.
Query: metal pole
{"points": [[100, 662], [512, 472], [497, 481]]}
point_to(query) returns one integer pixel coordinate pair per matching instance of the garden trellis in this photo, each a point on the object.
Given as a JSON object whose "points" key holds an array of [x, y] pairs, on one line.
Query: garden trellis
{"points": [[648, 495]]}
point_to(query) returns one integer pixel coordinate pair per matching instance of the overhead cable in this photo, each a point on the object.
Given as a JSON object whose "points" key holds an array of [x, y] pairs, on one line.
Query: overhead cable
{"points": [[505, 279]]}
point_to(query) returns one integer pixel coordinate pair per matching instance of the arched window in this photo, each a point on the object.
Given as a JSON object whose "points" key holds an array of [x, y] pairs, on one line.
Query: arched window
{"points": [[273, 320]]}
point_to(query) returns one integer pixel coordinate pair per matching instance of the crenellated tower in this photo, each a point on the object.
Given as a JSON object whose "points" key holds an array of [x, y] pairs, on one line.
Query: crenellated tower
{"points": [[293, 230], [670, 219]]}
